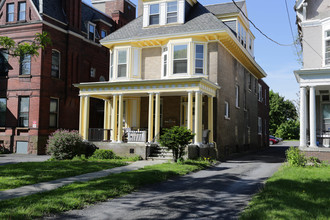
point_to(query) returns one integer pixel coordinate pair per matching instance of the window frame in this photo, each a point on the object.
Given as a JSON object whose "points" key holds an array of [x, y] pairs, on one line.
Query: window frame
{"points": [[260, 98], [3, 114], [111, 64], [165, 62], [237, 96], [57, 76], [180, 59], [103, 31], [20, 112], [54, 113], [89, 31], [172, 12], [19, 11], [126, 63], [154, 14], [227, 110], [22, 62], [199, 59], [11, 13]]}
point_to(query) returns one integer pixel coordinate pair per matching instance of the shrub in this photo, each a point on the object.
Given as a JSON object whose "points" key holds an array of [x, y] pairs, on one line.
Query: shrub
{"points": [[295, 157], [104, 154], [64, 145], [176, 139], [288, 130]]}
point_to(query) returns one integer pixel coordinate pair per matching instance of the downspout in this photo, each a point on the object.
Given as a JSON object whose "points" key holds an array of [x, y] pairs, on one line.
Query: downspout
{"points": [[41, 6]]}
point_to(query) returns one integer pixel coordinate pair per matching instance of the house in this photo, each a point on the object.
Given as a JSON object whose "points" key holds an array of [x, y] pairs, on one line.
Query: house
{"points": [[313, 20], [180, 63], [37, 95]]}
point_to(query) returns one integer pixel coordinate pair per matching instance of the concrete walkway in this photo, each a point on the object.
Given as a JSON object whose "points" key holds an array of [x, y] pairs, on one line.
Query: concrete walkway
{"points": [[51, 185], [18, 158]]}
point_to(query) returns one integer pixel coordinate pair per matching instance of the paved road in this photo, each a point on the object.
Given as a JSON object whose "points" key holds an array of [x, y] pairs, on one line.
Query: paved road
{"points": [[17, 158], [220, 192]]}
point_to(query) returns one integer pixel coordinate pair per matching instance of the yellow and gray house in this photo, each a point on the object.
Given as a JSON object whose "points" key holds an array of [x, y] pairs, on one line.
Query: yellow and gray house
{"points": [[181, 64]]}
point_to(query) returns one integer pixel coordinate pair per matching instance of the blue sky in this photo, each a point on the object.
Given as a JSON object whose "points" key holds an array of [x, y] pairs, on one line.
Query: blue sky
{"points": [[279, 62]]}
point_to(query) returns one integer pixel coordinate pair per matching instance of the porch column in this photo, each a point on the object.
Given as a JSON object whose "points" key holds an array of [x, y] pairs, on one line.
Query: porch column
{"points": [[114, 118], [106, 122], [312, 117], [81, 115], [86, 117], [198, 117], [190, 110], [303, 117], [120, 119], [157, 115], [210, 118], [150, 117]]}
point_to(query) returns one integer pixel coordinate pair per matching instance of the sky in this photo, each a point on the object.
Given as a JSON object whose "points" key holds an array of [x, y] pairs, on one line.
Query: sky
{"points": [[279, 62]]}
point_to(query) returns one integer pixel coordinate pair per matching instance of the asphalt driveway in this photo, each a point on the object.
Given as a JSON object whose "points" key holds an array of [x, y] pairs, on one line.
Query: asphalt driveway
{"points": [[220, 192], [18, 158]]}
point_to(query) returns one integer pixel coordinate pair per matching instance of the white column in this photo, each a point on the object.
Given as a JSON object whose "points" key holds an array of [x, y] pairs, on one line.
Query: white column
{"points": [[151, 117], [81, 115], [114, 118], [157, 114], [120, 118], [86, 117], [303, 117], [210, 118], [198, 118], [312, 117], [190, 109]]}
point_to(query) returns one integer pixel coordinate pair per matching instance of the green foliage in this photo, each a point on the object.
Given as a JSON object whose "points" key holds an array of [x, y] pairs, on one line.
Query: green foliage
{"points": [[176, 139], [295, 158], [104, 154], [31, 47], [280, 111], [288, 130], [65, 145]]}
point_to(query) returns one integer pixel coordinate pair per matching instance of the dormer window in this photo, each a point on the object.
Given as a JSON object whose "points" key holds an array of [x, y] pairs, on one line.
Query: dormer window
{"points": [[154, 14], [21, 11], [172, 12], [10, 12], [91, 31]]}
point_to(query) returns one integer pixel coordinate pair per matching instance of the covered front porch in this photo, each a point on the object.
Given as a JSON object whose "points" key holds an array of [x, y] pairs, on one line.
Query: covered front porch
{"points": [[138, 111]]}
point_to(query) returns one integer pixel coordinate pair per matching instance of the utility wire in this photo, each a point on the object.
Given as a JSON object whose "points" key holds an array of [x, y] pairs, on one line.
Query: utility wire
{"points": [[285, 45], [291, 29]]}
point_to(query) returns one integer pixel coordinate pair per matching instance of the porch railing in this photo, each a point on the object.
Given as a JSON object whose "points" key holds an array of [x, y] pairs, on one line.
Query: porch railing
{"points": [[98, 134], [136, 136]]}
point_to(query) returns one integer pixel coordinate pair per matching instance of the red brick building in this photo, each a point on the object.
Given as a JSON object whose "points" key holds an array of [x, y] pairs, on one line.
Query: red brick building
{"points": [[36, 94]]}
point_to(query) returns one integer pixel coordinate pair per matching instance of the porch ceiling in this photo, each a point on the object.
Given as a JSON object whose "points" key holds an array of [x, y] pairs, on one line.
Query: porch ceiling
{"points": [[166, 87]]}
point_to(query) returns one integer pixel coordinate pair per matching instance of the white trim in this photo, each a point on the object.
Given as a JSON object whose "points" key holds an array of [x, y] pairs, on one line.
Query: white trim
{"points": [[227, 110]]}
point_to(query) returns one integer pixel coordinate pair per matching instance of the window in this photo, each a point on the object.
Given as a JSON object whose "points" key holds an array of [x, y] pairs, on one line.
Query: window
{"points": [[111, 64], [237, 96], [250, 82], [165, 55], [25, 65], [55, 64], [4, 65], [199, 59], [21, 11], [91, 31], [327, 47], [227, 114], [23, 115], [10, 12], [154, 14], [122, 63], [180, 59], [103, 34], [260, 93], [172, 12], [259, 125], [92, 72], [53, 113], [3, 110]]}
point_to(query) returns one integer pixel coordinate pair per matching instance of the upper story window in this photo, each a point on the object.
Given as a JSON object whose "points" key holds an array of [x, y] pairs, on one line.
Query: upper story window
{"points": [[260, 93], [3, 110], [103, 34], [91, 31], [199, 59], [327, 47], [25, 65], [227, 113], [55, 64], [165, 61], [92, 72], [122, 63], [259, 126], [10, 12], [53, 113], [21, 11], [111, 65], [172, 12], [23, 114], [180, 60], [154, 14]]}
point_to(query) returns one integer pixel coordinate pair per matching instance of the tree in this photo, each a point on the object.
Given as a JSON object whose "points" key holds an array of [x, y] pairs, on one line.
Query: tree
{"points": [[176, 139], [288, 130], [31, 47], [280, 111]]}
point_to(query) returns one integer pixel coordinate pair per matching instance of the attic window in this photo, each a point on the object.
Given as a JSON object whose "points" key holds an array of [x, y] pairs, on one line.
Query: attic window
{"points": [[10, 12], [22, 11], [103, 34], [172, 12], [91, 31], [154, 14]]}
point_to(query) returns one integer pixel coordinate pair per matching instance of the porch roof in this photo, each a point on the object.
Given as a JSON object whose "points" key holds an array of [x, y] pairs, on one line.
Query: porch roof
{"points": [[104, 90], [313, 77]]}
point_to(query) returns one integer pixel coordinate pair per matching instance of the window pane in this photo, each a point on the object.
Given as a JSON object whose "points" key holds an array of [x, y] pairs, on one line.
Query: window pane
{"points": [[172, 6], [24, 111], [122, 56], [180, 51], [52, 120], [91, 32], [199, 71], [3, 109], [10, 12], [22, 9], [53, 106], [154, 9], [199, 63], [55, 64], [26, 64], [180, 66], [53, 112], [172, 18], [154, 19], [327, 33], [122, 70], [103, 33]]}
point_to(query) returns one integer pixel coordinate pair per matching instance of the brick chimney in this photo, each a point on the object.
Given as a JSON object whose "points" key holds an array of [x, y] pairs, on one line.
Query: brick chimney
{"points": [[140, 8], [72, 9]]}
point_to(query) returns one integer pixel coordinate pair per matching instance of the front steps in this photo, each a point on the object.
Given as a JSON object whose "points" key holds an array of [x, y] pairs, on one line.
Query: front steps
{"points": [[160, 153]]}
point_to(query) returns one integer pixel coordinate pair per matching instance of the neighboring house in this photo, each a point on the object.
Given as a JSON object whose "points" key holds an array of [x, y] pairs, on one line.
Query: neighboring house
{"points": [[313, 19], [37, 95], [181, 64]]}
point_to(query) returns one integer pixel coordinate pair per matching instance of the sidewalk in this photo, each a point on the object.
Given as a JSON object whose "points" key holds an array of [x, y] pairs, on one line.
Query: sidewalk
{"points": [[54, 184]]}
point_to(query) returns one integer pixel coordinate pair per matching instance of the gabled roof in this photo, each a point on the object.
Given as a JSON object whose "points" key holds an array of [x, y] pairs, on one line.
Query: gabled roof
{"points": [[198, 20], [225, 8], [52, 8]]}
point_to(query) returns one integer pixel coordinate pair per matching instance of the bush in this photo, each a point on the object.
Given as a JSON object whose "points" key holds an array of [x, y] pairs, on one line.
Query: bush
{"points": [[176, 139], [104, 154], [295, 157], [288, 130], [64, 145]]}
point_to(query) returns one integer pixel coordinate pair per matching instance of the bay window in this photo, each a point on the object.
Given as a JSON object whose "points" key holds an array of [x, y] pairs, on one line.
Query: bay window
{"points": [[154, 14], [122, 63], [172, 12], [180, 60], [199, 59]]}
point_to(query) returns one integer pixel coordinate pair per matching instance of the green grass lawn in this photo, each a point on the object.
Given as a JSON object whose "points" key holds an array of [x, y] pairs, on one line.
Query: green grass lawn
{"points": [[77, 195], [20, 174], [293, 193]]}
